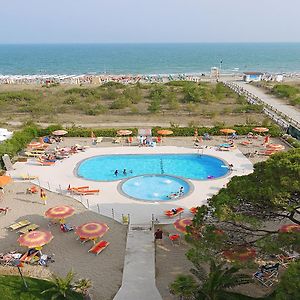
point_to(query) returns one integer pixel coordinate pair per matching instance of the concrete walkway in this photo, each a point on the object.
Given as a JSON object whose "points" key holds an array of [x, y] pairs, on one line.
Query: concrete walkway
{"points": [[285, 108], [139, 267]]}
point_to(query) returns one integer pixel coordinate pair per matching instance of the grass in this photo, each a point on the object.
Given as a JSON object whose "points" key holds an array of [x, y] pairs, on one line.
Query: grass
{"points": [[12, 288]]}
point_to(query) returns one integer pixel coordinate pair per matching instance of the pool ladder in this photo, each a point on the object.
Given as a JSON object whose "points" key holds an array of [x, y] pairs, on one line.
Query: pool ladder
{"points": [[162, 167]]}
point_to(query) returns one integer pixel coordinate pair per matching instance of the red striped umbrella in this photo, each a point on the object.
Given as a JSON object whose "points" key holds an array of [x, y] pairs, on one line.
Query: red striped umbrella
{"points": [[241, 254], [37, 238], [91, 230], [124, 132], [290, 228], [260, 129], [181, 224], [59, 212]]}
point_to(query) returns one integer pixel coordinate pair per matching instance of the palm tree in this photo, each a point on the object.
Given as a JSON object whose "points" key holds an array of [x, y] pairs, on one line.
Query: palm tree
{"points": [[82, 286], [62, 287], [216, 284], [184, 286]]}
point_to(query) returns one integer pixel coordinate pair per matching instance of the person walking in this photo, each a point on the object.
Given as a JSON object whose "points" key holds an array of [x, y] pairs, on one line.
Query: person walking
{"points": [[43, 196], [158, 235]]}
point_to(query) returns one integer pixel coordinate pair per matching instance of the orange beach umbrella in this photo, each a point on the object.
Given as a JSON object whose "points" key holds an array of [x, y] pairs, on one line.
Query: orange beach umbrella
{"points": [[275, 147], [124, 132], [290, 228], [37, 238], [260, 129], [241, 254], [164, 132], [4, 180], [228, 130], [59, 212], [59, 132], [91, 230], [181, 224]]}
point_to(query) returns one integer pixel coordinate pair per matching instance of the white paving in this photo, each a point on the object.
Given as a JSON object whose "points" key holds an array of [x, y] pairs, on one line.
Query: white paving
{"points": [[57, 177]]}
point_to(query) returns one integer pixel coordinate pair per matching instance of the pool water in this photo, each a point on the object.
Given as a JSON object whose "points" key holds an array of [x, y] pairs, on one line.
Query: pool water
{"points": [[155, 188], [191, 166]]}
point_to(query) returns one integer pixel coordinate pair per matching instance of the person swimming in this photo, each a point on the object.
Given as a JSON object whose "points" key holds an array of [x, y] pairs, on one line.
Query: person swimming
{"points": [[124, 172], [116, 173]]}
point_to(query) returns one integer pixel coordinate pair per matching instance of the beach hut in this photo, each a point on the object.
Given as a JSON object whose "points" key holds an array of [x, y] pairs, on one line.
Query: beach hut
{"points": [[252, 76]]}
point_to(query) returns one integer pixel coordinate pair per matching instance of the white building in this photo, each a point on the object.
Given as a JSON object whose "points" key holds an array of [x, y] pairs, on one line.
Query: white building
{"points": [[252, 76]]}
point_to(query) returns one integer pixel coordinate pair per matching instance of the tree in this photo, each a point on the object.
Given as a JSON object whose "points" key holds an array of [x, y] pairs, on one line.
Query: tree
{"points": [[270, 193], [184, 286], [62, 287], [289, 285], [214, 285]]}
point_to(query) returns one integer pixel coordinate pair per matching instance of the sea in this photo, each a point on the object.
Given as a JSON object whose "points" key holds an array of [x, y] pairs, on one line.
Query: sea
{"points": [[77, 59]]}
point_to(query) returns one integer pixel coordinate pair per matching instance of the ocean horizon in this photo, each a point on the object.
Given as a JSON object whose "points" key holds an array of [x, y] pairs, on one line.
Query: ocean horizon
{"points": [[147, 58]]}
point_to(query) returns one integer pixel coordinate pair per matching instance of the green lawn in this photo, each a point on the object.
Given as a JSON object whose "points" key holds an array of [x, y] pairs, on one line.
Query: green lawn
{"points": [[12, 288]]}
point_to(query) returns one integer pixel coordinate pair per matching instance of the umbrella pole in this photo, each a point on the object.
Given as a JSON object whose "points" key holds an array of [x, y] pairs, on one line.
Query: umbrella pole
{"points": [[25, 283]]}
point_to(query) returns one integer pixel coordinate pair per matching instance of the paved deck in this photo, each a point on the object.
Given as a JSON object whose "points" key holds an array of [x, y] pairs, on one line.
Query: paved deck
{"points": [[139, 267], [278, 104]]}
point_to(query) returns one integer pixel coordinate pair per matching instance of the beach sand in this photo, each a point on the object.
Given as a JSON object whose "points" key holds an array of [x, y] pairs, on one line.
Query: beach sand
{"points": [[105, 270]]}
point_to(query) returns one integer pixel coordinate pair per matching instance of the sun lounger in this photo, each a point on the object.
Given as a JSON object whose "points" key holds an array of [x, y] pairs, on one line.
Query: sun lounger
{"points": [[86, 192], [117, 140], [266, 279], [32, 154], [285, 260], [32, 190], [86, 187], [174, 238], [193, 210], [28, 258], [19, 225], [28, 228], [4, 210], [99, 247], [28, 177], [99, 139], [171, 214]]}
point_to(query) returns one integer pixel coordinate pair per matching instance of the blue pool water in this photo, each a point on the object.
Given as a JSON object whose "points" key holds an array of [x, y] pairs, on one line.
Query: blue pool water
{"points": [[191, 166], [155, 188]]}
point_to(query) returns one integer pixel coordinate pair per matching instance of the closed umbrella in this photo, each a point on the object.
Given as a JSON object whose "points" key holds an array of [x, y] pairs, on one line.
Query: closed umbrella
{"points": [[34, 239], [4, 180], [59, 132], [91, 230], [181, 224], [59, 212]]}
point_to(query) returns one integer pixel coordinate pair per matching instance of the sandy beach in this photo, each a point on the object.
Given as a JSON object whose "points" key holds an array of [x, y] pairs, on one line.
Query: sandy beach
{"points": [[105, 270]]}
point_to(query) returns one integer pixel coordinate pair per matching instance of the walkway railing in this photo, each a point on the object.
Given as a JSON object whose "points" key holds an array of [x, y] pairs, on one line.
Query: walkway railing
{"points": [[279, 117], [85, 201]]}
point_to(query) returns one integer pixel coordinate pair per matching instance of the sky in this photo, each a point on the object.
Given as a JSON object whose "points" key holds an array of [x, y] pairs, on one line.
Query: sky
{"points": [[152, 21]]}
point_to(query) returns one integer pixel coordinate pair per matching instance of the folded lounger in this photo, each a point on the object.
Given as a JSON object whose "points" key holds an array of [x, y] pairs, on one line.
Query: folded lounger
{"points": [[170, 213], [19, 225], [99, 247], [28, 228]]}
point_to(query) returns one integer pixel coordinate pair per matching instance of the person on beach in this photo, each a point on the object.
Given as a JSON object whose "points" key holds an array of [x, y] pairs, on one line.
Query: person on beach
{"points": [[43, 196], [158, 235]]}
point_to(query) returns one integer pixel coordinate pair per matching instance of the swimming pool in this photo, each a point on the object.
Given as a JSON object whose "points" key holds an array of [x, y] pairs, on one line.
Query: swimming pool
{"points": [[191, 166], [155, 188]]}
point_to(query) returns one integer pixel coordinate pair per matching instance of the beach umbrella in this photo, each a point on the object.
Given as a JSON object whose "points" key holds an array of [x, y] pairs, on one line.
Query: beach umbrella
{"points": [[124, 132], [36, 145], [34, 239], [59, 132], [4, 180], [59, 212], [260, 129], [164, 132], [290, 228], [91, 230], [227, 131], [181, 224], [275, 147], [241, 254]]}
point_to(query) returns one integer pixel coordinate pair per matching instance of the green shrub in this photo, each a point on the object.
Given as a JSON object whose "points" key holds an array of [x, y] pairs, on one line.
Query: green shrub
{"points": [[285, 91], [120, 103]]}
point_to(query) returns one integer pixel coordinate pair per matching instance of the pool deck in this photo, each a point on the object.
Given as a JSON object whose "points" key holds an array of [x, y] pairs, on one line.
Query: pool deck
{"points": [[111, 203]]}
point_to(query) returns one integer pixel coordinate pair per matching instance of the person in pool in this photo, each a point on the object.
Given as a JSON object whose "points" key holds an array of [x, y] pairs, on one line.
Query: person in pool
{"points": [[124, 172], [116, 173], [181, 191]]}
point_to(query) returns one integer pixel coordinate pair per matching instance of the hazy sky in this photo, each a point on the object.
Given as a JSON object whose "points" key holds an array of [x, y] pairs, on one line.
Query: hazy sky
{"points": [[121, 21]]}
